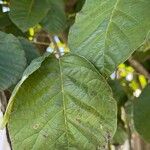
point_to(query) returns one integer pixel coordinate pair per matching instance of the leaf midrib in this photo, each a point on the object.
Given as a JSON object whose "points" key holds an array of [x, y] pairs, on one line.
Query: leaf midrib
{"points": [[64, 105], [108, 26], [30, 8]]}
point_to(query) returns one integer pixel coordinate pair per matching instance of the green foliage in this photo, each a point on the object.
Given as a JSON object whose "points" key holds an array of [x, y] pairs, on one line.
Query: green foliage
{"points": [[120, 136], [35, 65], [65, 102], [4, 20], [55, 20], [12, 60], [142, 114], [108, 32], [70, 111], [30, 50], [118, 92], [26, 14]]}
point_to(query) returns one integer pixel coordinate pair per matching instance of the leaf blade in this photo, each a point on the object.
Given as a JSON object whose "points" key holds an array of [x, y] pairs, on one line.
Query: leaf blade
{"points": [[107, 32], [55, 20], [25, 14], [142, 114], [12, 60], [71, 109]]}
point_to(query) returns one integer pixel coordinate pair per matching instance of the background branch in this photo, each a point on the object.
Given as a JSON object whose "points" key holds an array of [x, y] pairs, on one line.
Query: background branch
{"points": [[139, 67]]}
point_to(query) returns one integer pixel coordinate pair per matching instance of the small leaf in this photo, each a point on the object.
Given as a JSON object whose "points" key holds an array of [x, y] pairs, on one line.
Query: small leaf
{"points": [[108, 32], [26, 14], [142, 114], [120, 135], [65, 104], [12, 60], [30, 50], [118, 92], [55, 20]]}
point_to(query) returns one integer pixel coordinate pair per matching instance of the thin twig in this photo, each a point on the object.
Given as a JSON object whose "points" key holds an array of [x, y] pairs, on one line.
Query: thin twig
{"points": [[139, 67], [40, 43]]}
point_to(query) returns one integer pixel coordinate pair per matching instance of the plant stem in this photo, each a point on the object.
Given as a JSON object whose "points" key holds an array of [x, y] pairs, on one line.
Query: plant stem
{"points": [[40, 43], [139, 67]]}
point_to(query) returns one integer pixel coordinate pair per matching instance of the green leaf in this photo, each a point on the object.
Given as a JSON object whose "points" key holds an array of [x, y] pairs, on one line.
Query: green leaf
{"points": [[26, 14], [30, 50], [142, 114], [65, 104], [146, 45], [35, 65], [118, 92], [108, 32], [120, 135], [13, 29], [4, 20], [12, 60], [55, 20], [3, 103], [79, 5]]}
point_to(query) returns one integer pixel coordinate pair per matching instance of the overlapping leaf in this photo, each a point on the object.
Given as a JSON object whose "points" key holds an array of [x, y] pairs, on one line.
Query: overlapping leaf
{"points": [[30, 50], [108, 31], [120, 136], [4, 20], [55, 20], [118, 92], [142, 114], [65, 104], [26, 14], [12, 60]]}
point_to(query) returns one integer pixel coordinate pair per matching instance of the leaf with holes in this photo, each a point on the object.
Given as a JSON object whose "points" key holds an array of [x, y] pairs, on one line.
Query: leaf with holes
{"points": [[65, 104], [108, 31], [12, 60]]}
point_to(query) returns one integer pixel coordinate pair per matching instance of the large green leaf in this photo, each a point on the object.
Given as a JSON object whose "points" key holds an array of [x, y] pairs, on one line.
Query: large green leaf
{"points": [[28, 13], [12, 60], [55, 20], [107, 31], [142, 114], [65, 104]]}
